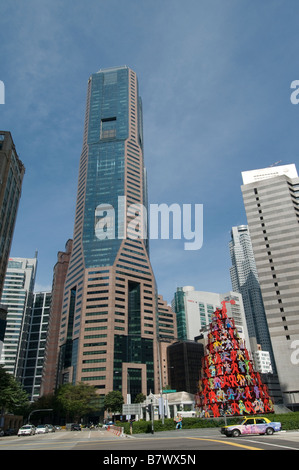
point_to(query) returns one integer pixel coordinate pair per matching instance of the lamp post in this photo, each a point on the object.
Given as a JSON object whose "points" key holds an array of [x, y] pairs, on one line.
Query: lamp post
{"points": [[160, 379], [152, 415], [36, 411]]}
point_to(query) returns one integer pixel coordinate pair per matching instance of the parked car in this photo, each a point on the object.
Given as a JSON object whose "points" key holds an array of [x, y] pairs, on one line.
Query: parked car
{"points": [[256, 425], [50, 427], [1, 432], [75, 427], [42, 429], [26, 430], [10, 432]]}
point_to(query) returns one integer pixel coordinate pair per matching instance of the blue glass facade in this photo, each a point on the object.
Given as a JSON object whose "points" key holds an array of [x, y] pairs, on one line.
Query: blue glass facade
{"points": [[108, 329], [107, 132]]}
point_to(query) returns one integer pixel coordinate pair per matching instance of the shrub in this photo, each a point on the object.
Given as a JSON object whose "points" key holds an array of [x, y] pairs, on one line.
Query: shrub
{"points": [[288, 421]]}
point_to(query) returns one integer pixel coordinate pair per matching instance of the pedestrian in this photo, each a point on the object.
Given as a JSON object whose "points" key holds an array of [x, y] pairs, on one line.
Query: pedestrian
{"points": [[179, 422]]}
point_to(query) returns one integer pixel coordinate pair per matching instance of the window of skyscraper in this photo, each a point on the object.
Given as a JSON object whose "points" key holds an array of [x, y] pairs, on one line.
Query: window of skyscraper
{"points": [[108, 128]]}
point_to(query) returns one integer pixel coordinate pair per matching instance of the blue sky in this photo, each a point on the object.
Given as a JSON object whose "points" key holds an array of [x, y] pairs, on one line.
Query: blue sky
{"points": [[214, 76]]}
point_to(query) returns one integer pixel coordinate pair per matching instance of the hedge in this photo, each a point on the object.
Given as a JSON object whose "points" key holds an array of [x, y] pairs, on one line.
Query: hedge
{"points": [[289, 421]]}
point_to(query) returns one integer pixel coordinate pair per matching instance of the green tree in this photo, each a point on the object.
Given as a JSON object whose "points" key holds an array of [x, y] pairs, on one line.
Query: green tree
{"points": [[140, 398], [77, 400], [42, 408], [113, 402], [13, 398]]}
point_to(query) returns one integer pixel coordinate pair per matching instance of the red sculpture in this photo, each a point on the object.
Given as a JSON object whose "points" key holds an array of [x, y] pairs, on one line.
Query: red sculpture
{"points": [[228, 382]]}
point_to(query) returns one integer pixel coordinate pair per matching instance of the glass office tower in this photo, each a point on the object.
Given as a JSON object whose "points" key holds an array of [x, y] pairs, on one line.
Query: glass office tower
{"points": [[108, 327], [36, 344], [244, 278], [17, 297]]}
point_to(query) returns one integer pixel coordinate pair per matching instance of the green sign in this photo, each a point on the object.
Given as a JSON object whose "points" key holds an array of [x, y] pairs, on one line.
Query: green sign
{"points": [[168, 391]]}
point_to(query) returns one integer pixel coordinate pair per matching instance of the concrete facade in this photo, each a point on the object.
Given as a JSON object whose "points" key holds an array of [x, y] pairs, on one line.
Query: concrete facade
{"points": [[50, 369], [271, 199], [11, 178]]}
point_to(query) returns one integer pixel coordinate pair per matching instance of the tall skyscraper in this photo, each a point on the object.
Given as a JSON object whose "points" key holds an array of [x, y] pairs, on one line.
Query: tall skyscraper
{"points": [[244, 278], [49, 374], [36, 344], [271, 199], [167, 333], [108, 327], [11, 177], [17, 297]]}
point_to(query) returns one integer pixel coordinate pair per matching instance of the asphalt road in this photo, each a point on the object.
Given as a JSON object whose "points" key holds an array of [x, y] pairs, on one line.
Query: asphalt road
{"points": [[181, 445]]}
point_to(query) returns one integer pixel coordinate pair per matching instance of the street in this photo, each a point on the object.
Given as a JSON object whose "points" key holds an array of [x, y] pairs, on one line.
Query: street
{"points": [[181, 442]]}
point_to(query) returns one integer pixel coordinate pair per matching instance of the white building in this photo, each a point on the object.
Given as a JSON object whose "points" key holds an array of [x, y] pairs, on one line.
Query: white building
{"points": [[17, 297], [197, 307], [262, 362], [271, 199]]}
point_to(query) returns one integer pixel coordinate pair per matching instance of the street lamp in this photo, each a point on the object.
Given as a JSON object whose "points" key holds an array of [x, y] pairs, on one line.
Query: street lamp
{"points": [[36, 411]]}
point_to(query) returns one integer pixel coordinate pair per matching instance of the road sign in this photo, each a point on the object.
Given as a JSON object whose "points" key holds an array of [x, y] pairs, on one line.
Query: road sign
{"points": [[133, 409]]}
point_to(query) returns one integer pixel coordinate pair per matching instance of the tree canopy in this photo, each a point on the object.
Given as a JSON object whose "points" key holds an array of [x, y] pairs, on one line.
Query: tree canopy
{"points": [[12, 396], [77, 400], [113, 401]]}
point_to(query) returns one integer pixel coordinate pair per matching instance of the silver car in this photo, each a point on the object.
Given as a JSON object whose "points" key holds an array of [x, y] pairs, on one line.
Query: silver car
{"points": [[50, 427], [42, 429]]}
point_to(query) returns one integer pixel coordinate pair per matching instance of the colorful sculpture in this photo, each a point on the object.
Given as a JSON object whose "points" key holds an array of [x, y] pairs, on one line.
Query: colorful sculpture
{"points": [[228, 383]]}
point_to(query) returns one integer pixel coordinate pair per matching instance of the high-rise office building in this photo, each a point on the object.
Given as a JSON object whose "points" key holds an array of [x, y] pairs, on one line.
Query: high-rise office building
{"points": [[271, 199], [36, 343], [167, 334], [195, 309], [108, 325], [17, 297], [3, 315], [11, 177], [49, 374], [184, 364], [244, 278]]}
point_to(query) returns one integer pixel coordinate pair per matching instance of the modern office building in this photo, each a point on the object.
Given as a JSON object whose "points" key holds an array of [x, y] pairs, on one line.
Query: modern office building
{"points": [[184, 363], [17, 297], [194, 311], [49, 374], [11, 177], [36, 343], [244, 278], [271, 199], [262, 362], [3, 315], [167, 335], [109, 313]]}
